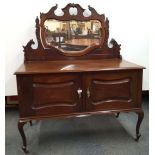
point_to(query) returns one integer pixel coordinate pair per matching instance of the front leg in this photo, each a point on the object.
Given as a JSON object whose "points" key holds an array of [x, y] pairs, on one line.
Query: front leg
{"points": [[117, 115], [20, 128], [30, 122], [140, 118]]}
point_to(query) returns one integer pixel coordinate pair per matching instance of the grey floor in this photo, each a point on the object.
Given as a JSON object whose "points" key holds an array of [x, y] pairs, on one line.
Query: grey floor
{"points": [[93, 135]]}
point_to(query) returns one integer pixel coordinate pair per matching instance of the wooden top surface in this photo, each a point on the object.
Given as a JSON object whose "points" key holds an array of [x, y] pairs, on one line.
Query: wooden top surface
{"points": [[39, 67], [83, 42]]}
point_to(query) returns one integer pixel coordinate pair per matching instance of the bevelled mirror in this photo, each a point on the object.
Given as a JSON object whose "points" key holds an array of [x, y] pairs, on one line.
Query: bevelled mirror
{"points": [[73, 33]]}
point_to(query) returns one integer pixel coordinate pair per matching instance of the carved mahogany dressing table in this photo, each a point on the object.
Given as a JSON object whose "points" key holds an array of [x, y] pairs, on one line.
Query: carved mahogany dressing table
{"points": [[58, 79]]}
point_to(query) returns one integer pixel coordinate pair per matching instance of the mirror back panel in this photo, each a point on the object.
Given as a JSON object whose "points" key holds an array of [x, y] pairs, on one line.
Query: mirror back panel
{"points": [[75, 34]]}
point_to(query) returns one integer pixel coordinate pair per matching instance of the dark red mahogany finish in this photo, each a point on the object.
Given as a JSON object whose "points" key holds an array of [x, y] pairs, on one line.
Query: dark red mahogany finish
{"points": [[96, 81]]}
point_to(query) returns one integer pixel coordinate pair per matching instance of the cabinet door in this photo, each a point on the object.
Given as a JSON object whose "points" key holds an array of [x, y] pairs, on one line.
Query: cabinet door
{"points": [[51, 94], [113, 90]]}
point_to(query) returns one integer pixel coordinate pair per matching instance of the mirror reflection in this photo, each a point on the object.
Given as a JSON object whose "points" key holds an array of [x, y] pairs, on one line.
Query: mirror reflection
{"points": [[72, 35]]}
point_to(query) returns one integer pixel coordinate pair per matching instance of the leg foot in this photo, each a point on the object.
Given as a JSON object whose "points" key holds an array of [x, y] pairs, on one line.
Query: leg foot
{"points": [[117, 115], [25, 149], [21, 131], [140, 118], [30, 123]]}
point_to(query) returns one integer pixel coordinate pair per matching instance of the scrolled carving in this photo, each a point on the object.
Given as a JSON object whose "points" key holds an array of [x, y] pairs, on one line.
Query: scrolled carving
{"points": [[72, 5], [38, 33], [115, 45], [27, 49], [106, 32], [28, 45], [92, 10], [31, 42]]}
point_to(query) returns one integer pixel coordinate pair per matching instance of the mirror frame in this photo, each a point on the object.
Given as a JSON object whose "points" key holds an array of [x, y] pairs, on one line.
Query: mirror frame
{"points": [[78, 17]]}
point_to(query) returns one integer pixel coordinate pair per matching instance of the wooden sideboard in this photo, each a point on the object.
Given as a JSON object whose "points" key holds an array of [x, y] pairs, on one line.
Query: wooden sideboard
{"points": [[97, 81]]}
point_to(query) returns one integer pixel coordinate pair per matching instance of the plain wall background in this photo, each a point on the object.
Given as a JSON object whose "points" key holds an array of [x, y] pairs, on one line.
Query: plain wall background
{"points": [[128, 26]]}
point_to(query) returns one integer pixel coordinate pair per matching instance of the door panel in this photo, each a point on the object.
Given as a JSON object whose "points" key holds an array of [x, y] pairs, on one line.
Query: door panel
{"points": [[56, 94], [53, 94], [48, 95], [113, 90]]}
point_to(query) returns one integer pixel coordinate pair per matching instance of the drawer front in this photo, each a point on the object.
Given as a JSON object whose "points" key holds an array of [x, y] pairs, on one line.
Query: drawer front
{"points": [[113, 90], [51, 94]]}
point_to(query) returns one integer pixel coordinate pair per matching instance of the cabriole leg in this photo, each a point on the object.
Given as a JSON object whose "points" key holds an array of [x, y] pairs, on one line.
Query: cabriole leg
{"points": [[140, 118], [20, 128]]}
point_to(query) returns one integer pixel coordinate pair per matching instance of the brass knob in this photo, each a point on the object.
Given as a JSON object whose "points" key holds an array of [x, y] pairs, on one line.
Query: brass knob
{"points": [[88, 92]]}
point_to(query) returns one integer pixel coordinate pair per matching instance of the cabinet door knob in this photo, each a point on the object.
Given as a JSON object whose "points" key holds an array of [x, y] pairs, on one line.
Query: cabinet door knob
{"points": [[79, 91], [88, 92]]}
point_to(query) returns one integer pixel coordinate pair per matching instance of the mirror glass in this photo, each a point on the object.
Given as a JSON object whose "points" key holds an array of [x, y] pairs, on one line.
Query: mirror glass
{"points": [[72, 36]]}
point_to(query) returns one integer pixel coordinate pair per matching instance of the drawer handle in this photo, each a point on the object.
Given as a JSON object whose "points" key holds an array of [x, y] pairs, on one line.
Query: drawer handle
{"points": [[88, 92], [79, 91]]}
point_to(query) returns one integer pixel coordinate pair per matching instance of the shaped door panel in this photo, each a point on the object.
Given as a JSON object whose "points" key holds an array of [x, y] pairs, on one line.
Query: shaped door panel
{"points": [[113, 90], [52, 94], [56, 94]]}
